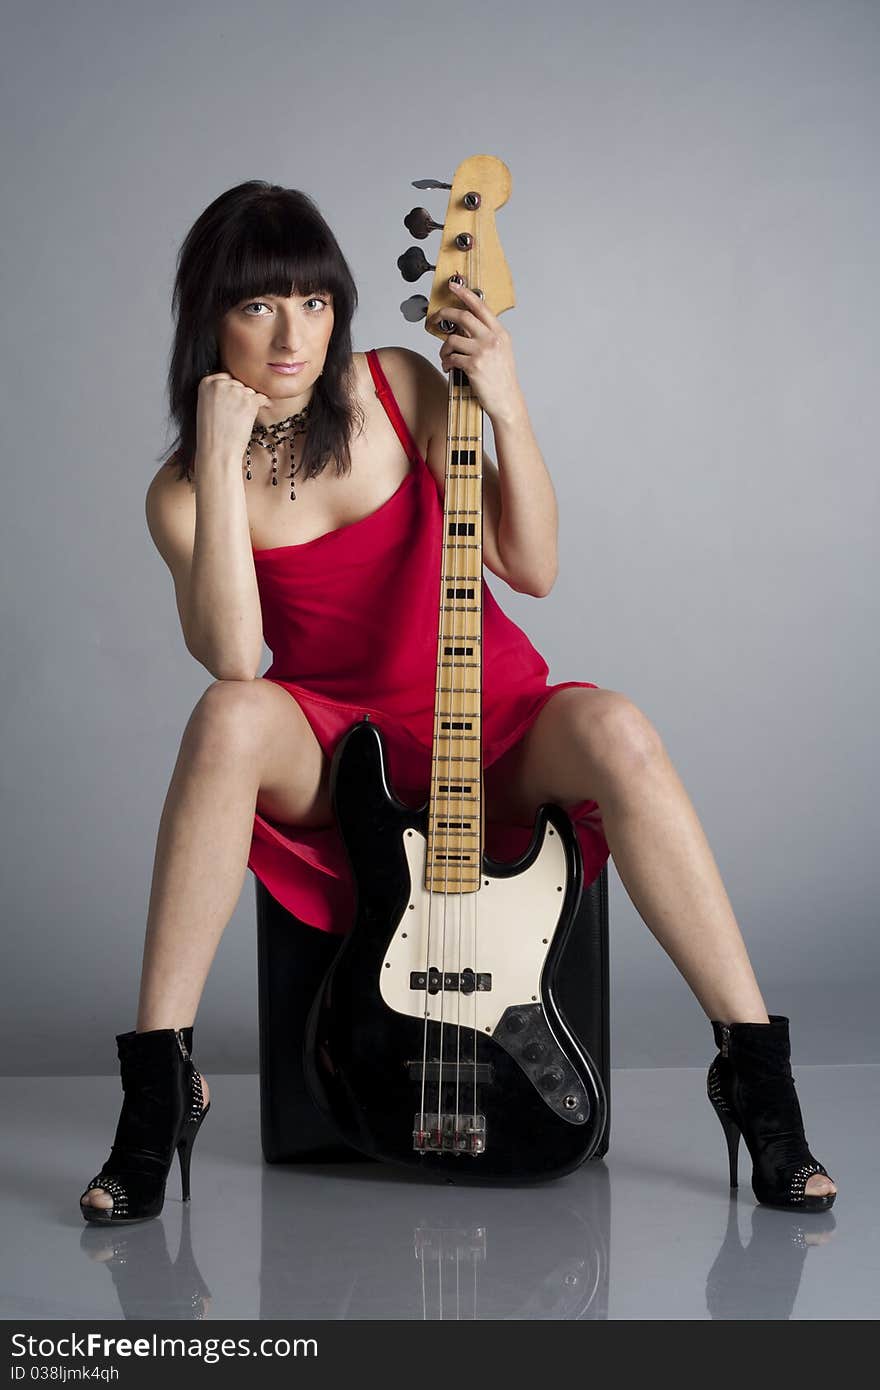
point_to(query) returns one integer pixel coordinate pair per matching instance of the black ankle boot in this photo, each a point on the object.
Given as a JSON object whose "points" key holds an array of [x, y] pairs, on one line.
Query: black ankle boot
{"points": [[161, 1111], [752, 1091]]}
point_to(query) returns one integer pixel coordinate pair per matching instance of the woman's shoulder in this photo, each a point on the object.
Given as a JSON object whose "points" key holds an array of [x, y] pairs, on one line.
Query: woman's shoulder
{"points": [[420, 388], [403, 362]]}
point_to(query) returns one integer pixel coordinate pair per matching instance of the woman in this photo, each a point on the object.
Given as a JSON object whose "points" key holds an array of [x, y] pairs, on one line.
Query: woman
{"points": [[262, 368]]}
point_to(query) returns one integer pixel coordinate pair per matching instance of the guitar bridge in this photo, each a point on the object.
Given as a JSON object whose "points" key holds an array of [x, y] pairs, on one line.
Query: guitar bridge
{"points": [[449, 1133]]}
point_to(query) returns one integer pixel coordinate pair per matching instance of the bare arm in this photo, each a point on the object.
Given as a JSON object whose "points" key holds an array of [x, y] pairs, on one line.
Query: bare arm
{"points": [[202, 533], [513, 542]]}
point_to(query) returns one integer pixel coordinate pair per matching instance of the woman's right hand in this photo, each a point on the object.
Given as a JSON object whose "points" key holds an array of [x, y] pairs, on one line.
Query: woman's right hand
{"points": [[225, 414]]}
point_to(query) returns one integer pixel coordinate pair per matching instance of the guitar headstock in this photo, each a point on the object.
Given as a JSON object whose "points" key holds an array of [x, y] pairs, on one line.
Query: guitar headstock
{"points": [[469, 251]]}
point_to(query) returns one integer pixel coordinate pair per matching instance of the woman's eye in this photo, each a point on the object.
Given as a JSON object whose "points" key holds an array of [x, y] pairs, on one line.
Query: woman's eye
{"points": [[315, 299]]}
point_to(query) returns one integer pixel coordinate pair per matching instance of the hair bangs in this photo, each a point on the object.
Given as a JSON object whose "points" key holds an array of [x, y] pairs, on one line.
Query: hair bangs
{"points": [[278, 252]]}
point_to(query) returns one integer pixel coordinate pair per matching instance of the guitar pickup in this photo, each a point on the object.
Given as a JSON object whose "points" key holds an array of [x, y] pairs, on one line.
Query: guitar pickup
{"points": [[464, 982], [464, 1071]]}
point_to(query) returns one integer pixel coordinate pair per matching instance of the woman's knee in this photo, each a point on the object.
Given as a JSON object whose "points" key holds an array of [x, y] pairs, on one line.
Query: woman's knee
{"points": [[231, 717], [618, 736]]}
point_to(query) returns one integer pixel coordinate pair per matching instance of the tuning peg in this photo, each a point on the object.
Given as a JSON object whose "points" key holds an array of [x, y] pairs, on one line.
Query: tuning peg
{"points": [[429, 183], [414, 308], [419, 223], [412, 263]]}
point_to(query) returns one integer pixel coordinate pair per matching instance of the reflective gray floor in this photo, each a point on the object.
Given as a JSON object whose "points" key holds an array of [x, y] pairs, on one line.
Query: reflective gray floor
{"points": [[650, 1231]]}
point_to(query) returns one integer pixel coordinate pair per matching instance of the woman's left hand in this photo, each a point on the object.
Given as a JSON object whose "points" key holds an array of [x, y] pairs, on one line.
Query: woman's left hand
{"points": [[485, 354]]}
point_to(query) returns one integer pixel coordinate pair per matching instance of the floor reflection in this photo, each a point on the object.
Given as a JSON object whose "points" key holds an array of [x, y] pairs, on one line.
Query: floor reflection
{"points": [[760, 1280], [355, 1241], [373, 1243], [148, 1283]]}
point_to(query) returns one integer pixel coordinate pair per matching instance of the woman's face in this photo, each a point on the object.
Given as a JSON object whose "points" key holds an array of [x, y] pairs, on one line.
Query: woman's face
{"points": [[273, 329]]}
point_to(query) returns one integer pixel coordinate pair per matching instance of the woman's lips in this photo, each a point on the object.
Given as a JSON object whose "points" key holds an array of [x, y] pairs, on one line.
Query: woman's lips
{"points": [[284, 370]]}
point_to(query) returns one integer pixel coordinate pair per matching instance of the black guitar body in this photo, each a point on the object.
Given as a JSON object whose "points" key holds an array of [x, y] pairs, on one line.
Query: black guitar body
{"points": [[530, 1105]]}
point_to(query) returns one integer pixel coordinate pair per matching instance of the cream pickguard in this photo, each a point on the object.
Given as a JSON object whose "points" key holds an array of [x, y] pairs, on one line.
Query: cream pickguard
{"points": [[503, 929]]}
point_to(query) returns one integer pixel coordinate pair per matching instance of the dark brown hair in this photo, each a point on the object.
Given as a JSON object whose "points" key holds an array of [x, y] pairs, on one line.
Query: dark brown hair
{"points": [[258, 239]]}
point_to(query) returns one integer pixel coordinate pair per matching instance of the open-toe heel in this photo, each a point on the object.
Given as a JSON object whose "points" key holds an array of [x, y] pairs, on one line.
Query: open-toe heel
{"points": [[162, 1110], [752, 1092]]}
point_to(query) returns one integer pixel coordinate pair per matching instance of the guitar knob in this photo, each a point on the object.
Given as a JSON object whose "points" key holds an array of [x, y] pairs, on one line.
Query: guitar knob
{"points": [[419, 223], [534, 1050], [550, 1079], [516, 1023], [412, 263], [414, 308]]}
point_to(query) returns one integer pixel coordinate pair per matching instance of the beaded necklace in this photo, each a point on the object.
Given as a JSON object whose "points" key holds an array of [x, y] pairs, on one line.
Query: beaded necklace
{"points": [[270, 436]]}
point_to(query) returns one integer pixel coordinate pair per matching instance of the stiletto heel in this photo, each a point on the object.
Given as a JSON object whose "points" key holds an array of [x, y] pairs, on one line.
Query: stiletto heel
{"points": [[162, 1110], [184, 1151], [752, 1092], [732, 1133]]}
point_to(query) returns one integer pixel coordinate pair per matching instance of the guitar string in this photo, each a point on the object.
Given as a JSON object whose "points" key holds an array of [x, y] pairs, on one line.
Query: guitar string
{"points": [[466, 407], [462, 408], [462, 401], [453, 481], [463, 412], [464, 438], [478, 589], [434, 811], [432, 817]]}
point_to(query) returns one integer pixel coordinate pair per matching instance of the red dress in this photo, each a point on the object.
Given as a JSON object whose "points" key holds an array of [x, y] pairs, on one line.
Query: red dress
{"points": [[351, 620]]}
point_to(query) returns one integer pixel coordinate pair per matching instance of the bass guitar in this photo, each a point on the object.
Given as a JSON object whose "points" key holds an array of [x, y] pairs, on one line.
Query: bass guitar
{"points": [[436, 1040]]}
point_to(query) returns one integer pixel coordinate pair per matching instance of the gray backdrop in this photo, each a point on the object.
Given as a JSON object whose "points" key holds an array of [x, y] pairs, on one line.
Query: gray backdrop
{"points": [[691, 233]]}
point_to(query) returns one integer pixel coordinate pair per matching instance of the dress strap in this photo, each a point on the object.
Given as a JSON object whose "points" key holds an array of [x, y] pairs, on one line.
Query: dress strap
{"points": [[392, 409]]}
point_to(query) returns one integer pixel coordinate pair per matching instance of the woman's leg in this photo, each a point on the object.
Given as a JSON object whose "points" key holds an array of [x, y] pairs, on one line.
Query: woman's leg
{"points": [[247, 746], [597, 745]]}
